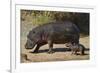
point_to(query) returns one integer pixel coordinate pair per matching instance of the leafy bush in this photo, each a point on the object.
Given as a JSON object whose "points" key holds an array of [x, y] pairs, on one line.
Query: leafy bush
{"points": [[42, 17], [39, 20]]}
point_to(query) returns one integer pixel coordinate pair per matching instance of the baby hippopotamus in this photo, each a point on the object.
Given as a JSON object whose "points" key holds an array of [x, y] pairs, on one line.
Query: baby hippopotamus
{"points": [[76, 48]]}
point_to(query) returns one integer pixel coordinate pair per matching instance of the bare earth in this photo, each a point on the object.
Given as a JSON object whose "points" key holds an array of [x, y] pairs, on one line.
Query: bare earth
{"points": [[61, 52]]}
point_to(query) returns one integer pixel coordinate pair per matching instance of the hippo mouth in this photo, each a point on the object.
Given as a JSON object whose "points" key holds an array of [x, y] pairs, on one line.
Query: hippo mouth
{"points": [[29, 44], [29, 47]]}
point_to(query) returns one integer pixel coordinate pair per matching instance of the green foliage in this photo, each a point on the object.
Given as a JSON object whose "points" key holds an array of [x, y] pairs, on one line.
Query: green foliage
{"points": [[42, 17]]}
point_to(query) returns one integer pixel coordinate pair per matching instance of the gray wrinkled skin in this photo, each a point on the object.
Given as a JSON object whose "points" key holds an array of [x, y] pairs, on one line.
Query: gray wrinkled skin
{"points": [[52, 33]]}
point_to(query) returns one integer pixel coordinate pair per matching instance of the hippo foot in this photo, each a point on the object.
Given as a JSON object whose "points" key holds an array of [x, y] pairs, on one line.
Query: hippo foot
{"points": [[50, 52], [74, 53], [35, 51], [82, 54], [71, 53]]}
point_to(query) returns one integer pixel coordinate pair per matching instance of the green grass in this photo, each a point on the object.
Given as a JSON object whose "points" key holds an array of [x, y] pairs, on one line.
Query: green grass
{"points": [[40, 20]]}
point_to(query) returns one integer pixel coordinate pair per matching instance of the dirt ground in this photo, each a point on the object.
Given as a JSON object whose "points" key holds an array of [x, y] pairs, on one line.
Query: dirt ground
{"points": [[61, 52]]}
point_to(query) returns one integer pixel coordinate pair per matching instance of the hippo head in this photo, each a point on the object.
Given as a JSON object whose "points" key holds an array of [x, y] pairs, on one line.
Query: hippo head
{"points": [[29, 44], [32, 39]]}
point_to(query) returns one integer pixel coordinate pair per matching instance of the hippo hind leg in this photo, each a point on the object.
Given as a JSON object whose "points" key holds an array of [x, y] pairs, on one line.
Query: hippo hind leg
{"points": [[82, 49]]}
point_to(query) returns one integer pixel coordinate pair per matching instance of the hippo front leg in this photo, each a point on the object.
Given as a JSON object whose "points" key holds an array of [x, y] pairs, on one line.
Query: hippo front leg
{"points": [[50, 43], [36, 49], [72, 52]]}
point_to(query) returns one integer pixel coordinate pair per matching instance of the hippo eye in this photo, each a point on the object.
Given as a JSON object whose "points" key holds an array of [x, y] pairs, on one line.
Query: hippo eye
{"points": [[33, 31]]}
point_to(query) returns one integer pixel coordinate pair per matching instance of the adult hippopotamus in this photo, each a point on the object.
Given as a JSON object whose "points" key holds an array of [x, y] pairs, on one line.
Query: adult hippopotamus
{"points": [[52, 33]]}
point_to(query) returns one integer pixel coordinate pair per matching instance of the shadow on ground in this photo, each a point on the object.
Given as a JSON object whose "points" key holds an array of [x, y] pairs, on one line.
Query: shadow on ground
{"points": [[58, 50]]}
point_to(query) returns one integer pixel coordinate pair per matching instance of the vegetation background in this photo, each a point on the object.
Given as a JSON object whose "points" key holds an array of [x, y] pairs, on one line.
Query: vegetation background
{"points": [[42, 17]]}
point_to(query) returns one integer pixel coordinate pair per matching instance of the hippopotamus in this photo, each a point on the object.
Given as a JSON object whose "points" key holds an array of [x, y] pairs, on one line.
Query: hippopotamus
{"points": [[76, 48], [60, 32]]}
